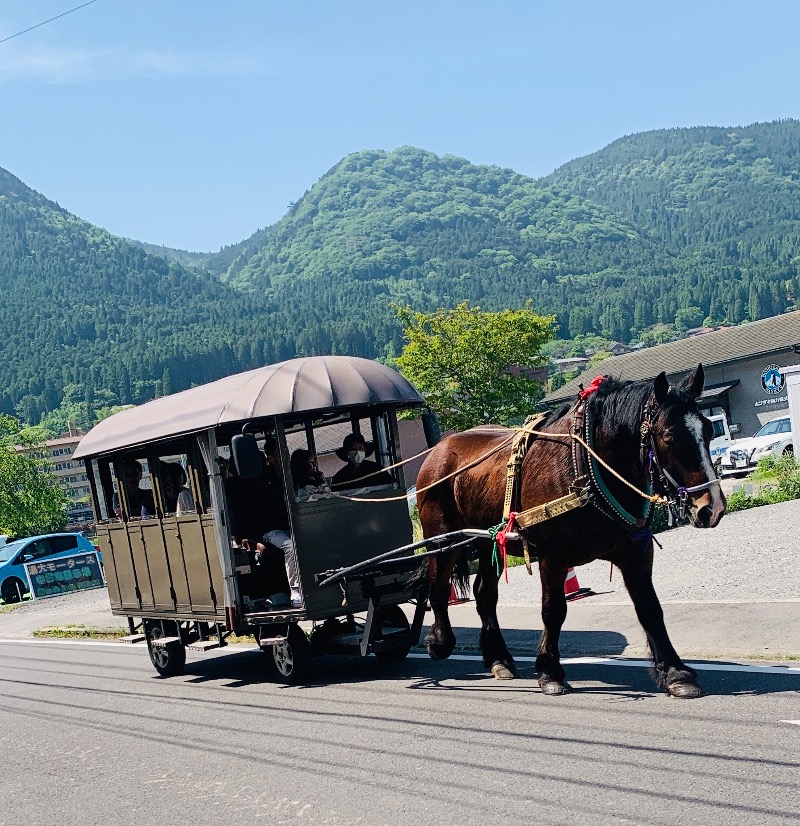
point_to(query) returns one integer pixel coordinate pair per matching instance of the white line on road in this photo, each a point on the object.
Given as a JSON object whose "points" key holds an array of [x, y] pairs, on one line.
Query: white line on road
{"points": [[786, 670], [116, 644], [793, 722], [789, 670]]}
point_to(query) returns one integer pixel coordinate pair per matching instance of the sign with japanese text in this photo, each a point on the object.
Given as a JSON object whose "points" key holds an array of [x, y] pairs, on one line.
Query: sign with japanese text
{"points": [[67, 573]]}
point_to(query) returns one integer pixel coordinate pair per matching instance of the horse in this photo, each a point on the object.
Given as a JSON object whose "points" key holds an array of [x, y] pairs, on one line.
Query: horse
{"points": [[647, 433]]}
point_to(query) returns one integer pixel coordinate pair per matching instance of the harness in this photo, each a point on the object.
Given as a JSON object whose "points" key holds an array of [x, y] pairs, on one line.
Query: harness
{"points": [[589, 486]]}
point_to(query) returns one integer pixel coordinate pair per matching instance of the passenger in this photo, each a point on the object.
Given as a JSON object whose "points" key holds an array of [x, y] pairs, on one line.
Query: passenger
{"points": [[140, 502], [279, 534], [177, 497], [306, 476], [354, 451]]}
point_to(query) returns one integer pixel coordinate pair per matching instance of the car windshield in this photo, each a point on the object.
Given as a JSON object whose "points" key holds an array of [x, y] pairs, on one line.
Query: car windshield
{"points": [[7, 551], [773, 427]]}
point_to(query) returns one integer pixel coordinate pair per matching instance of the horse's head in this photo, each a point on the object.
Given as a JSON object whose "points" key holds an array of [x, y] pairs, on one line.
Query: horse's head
{"points": [[681, 436]]}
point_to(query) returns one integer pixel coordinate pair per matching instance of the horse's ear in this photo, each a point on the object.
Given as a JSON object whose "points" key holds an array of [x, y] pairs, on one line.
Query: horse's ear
{"points": [[693, 383], [661, 387]]}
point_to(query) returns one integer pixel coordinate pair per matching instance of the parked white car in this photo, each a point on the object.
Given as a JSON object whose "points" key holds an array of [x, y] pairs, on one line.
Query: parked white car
{"points": [[775, 438]]}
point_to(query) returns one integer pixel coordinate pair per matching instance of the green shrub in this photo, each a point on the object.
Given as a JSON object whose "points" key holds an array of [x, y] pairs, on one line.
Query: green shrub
{"points": [[779, 477]]}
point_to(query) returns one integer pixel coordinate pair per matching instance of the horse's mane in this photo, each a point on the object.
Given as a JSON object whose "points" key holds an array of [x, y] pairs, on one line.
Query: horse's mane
{"points": [[620, 402]]}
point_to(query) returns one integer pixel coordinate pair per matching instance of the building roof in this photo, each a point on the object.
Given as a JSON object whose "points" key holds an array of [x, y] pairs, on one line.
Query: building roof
{"points": [[297, 386], [719, 347]]}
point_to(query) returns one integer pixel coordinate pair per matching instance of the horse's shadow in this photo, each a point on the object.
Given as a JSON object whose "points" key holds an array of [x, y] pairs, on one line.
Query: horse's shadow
{"points": [[247, 667], [523, 642]]}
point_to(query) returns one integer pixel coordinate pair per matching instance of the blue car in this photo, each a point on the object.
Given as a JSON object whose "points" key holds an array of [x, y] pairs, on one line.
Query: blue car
{"points": [[13, 556]]}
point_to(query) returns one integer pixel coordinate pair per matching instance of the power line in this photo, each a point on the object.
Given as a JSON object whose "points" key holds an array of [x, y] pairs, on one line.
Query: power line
{"points": [[63, 14]]}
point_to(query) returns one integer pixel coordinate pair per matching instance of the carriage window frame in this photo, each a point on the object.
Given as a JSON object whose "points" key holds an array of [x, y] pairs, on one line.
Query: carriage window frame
{"points": [[184, 451]]}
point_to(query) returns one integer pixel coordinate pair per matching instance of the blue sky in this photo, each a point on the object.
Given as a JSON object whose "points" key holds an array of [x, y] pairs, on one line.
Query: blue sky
{"points": [[192, 123]]}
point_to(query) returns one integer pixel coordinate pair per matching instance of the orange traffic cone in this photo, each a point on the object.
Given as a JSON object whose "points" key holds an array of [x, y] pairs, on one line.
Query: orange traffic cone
{"points": [[455, 599], [571, 588]]}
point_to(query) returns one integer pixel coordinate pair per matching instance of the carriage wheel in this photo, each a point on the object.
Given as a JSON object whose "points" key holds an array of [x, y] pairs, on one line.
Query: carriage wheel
{"points": [[394, 617], [290, 660], [169, 660]]}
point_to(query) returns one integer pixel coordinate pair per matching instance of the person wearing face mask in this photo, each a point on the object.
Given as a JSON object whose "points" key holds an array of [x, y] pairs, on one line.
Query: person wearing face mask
{"points": [[354, 451]]}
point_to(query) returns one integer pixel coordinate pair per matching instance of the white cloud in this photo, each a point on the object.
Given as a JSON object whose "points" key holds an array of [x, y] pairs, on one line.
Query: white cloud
{"points": [[51, 65]]}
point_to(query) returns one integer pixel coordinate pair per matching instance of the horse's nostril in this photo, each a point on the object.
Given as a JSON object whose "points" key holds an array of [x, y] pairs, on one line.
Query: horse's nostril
{"points": [[704, 515]]}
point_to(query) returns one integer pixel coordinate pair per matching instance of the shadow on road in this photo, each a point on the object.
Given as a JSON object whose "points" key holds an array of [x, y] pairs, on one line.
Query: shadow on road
{"points": [[243, 668]]}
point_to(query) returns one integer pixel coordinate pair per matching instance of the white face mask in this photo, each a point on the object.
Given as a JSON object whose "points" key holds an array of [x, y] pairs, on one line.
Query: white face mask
{"points": [[356, 456]]}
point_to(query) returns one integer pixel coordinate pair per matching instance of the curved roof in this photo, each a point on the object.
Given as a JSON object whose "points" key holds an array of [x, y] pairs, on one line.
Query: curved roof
{"points": [[296, 386]]}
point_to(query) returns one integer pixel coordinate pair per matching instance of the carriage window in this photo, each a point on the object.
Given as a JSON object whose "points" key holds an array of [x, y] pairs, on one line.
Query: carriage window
{"points": [[131, 475], [182, 480], [103, 487], [351, 453]]}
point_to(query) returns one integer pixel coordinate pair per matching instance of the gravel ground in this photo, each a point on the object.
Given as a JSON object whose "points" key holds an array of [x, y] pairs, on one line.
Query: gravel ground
{"points": [[751, 556]]}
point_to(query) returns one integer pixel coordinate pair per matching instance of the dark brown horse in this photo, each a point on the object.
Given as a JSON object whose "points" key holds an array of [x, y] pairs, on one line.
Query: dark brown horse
{"points": [[651, 434]]}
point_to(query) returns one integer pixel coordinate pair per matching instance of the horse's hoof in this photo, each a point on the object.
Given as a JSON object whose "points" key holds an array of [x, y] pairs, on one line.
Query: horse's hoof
{"points": [[439, 651], [553, 688], [685, 691], [502, 672]]}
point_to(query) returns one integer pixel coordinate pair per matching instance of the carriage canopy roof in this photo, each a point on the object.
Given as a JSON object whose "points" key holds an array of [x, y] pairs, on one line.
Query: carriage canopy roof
{"points": [[301, 385]]}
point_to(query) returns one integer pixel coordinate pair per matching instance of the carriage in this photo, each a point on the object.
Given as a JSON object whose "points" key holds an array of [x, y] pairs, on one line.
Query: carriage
{"points": [[580, 484], [180, 575]]}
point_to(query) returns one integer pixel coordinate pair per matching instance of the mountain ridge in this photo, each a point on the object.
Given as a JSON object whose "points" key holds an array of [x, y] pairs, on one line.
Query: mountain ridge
{"points": [[692, 223]]}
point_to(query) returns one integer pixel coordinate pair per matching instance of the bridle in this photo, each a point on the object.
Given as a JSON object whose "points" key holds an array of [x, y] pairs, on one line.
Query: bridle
{"points": [[675, 496]]}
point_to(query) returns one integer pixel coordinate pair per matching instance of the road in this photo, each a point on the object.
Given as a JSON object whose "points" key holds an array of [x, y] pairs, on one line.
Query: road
{"points": [[91, 735]]}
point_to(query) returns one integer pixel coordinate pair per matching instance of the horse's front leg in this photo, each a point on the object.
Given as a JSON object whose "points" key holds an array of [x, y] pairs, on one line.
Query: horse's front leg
{"points": [[496, 655], [554, 611], [440, 639], [670, 671]]}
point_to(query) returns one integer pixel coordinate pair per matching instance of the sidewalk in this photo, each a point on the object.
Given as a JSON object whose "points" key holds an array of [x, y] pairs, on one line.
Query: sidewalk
{"points": [[725, 630], [728, 630]]}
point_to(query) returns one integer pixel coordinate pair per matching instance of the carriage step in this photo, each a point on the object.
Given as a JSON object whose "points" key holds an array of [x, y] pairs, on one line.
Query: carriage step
{"points": [[204, 645], [268, 642], [132, 638], [163, 642]]}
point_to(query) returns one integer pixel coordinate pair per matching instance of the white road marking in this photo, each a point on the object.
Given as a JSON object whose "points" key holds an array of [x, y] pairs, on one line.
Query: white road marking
{"points": [[793, 722], [35, 641], [785, 670], [788, 670]]}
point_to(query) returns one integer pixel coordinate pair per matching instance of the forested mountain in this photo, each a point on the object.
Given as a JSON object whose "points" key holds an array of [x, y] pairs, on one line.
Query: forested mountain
{"points": [[89, 313], [411, 227], [722, 203], [699, 223]]}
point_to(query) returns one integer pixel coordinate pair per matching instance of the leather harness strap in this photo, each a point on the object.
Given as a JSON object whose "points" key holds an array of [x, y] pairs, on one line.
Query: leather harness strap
{"points": [[539, 513], [519, 447]]}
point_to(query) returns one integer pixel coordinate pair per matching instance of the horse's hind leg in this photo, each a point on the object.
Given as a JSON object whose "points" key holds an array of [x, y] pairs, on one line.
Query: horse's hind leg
{"points": [[496, 655], [554, 611], [440, 639], [670, 671]]}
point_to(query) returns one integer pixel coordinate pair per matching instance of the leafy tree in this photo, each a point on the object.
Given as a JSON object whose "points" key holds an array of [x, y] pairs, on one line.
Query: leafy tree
{"points": [[31, 500], [688, 318], [471, 364]]}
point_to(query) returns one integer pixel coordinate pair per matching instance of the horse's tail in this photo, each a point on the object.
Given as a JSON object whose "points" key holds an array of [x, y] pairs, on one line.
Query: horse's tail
{"points": [[461, 576]]}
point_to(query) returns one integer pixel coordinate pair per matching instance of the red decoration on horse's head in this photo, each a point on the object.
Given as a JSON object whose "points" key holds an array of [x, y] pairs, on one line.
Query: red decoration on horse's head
{"points": [[596, 382]]}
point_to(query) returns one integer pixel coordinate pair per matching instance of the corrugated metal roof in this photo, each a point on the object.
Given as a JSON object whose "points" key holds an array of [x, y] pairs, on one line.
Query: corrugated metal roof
{"points": [[729, 344], [297, 386]]}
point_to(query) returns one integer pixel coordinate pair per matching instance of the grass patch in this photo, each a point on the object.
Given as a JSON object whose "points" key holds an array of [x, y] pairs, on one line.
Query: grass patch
{"points": [[7, 609], [779, 481], [80, 632]]}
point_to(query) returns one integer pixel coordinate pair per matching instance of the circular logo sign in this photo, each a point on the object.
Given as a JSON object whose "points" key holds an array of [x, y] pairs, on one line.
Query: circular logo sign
{"points": [[771, 379]]}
